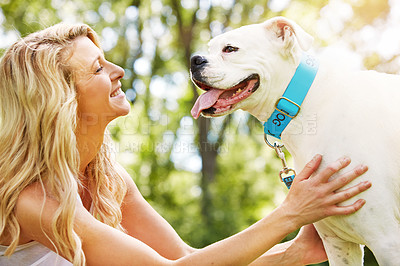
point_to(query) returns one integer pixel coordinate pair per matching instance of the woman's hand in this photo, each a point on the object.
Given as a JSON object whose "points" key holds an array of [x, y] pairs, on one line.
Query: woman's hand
{"points": [[309, 244], [313, 198]]}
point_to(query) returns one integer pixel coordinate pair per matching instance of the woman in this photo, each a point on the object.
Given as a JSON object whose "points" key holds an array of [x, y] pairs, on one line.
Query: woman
{"points": [[64, 200]]}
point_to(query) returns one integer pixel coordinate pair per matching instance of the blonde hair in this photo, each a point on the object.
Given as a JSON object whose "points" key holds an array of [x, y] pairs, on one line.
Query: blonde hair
{"points": [[38, 119]]}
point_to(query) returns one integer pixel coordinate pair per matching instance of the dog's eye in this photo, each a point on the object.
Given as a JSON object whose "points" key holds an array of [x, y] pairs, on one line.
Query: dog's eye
{"points": [[230, 49]]}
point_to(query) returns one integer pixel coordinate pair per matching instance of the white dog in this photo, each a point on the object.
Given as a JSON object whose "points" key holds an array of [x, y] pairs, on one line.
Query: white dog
{"points": [[354, 114]]}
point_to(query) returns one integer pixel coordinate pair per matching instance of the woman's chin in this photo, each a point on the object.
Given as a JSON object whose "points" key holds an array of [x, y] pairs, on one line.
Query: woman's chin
{"points": [[123, 110]]}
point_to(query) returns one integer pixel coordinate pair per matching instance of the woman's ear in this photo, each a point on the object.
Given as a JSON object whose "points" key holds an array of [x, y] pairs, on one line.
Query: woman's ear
{"points": [[289, 33]]}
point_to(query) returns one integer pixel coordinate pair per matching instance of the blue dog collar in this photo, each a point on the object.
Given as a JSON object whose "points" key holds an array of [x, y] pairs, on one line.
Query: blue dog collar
{"points": [[288, 106]]}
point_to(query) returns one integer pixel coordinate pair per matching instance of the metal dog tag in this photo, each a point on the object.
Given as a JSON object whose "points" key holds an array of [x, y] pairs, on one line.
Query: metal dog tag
{"points": [[289, 179]]}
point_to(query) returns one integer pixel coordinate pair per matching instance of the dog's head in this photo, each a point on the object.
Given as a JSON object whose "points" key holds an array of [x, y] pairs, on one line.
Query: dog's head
{"points": [[246, 65]]}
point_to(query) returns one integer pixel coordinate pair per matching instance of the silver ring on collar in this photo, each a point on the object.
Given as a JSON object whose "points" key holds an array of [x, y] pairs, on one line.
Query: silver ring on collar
{"points": [[273, 146]]}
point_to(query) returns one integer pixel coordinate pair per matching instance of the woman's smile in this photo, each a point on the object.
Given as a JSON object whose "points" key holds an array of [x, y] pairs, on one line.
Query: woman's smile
{"points": [[117, 92]]}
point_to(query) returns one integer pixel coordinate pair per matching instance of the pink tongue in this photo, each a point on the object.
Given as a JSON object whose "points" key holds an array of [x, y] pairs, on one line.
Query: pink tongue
{"points": [[205, 101]]}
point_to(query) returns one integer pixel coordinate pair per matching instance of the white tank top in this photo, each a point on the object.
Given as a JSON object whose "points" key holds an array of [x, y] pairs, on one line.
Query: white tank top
{"points": [[33, 254]]}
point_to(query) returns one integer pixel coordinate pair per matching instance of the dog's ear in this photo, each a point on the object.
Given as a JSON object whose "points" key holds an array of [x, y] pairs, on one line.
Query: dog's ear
{"points": [[289, 33]]}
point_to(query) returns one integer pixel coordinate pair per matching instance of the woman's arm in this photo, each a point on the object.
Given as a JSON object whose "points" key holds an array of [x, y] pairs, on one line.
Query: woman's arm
{"points": [[104, 245], [150, 228], [145, 224], [309, 200]]}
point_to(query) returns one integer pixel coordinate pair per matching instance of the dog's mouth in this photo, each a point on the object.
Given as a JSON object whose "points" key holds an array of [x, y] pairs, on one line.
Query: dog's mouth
{"points": [[216, 102]]}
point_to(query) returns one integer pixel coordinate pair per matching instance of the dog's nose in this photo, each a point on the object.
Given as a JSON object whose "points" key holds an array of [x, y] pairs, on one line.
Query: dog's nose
{"points": [[197, 62]]}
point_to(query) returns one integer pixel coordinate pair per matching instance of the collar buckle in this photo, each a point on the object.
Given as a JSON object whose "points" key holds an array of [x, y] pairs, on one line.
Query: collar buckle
{"points": [[286, 106]]}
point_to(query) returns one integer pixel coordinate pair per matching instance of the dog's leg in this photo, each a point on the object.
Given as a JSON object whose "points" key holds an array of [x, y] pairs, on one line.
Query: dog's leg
{"points": [[339, 251], [387, 253], [385, 244], [342, 252]]}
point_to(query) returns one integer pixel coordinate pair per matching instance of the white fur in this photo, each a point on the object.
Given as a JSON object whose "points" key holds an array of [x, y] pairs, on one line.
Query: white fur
{"points": [[345, 113]]}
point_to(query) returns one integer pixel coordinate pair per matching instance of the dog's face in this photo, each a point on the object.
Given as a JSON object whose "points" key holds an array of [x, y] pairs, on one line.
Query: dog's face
{"points": [[243, 65]]}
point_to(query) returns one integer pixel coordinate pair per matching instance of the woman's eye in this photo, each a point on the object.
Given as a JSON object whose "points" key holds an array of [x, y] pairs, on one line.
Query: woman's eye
{"points": [[230, 49], [99, 69]]}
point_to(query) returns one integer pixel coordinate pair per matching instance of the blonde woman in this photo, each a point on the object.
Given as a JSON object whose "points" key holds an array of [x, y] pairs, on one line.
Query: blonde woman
{"points": [[64, 201]]}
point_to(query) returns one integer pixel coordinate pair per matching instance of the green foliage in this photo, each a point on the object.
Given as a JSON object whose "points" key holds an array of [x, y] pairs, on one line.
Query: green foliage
{"points": [[208, 178]]}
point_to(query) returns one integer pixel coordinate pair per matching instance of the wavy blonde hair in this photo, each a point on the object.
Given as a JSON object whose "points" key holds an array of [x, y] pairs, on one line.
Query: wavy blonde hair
{"points": [[38, 119]]}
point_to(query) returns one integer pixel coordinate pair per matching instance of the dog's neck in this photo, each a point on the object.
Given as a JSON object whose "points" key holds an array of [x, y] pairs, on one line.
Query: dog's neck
{"points": [[289, 104], [305, 124], [301, 131], [278, 106]]}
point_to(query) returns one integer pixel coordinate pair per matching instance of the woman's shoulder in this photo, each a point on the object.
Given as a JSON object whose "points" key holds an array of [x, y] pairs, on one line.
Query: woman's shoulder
{"points": [[31, 201], [33, 204], [131, 186], [33, 197], [133, 195], [30, 197]]}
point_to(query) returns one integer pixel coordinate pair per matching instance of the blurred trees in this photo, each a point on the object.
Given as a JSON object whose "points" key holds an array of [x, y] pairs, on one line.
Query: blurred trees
{"points": [[208, 177]]}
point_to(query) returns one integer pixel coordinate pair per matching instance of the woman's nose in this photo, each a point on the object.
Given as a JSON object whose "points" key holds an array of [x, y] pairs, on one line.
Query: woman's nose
{"points": [[117, 72]]}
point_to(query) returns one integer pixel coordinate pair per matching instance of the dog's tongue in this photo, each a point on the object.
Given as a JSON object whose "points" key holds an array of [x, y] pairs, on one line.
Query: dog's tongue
{"points": [[205, 101]]}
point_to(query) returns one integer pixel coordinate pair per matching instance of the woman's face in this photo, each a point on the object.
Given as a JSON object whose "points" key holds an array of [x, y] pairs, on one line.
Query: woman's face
{"points": [[100, 98]]}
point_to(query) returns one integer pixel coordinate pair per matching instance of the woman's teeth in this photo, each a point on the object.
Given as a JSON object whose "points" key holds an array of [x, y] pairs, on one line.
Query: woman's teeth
{"points": [[115, 93]]}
